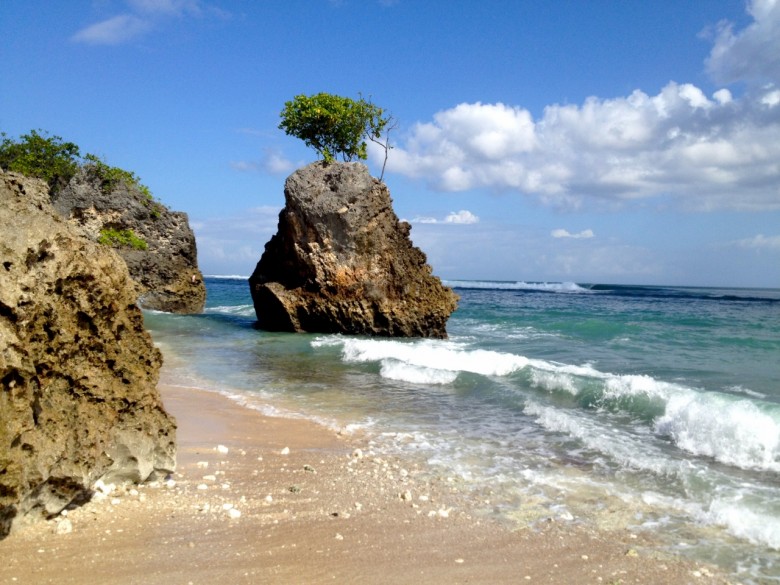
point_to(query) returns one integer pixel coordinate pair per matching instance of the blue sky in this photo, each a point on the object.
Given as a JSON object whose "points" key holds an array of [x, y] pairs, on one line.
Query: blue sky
{"points": [[616, 141]]}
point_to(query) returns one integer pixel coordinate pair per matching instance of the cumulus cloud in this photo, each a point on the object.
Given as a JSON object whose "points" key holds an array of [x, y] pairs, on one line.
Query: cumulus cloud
{"points": [[760, 242], [463, 216], [712, 152], [709, 151], [454, 217], [752, 54], [142, 17], [561, 233]]}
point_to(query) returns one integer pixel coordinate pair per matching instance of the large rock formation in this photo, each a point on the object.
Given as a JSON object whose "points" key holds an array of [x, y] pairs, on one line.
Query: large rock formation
{"points": [[166, 272], [341, 262], [79, 399]]}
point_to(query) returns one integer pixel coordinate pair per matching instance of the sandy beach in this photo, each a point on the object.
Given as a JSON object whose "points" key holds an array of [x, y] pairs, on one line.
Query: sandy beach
{"points": [[259, 499]]}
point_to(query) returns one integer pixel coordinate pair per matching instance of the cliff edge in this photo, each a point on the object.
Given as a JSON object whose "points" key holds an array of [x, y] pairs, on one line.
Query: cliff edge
{"points": [[162, 257], [79, 400], [342, 262]]}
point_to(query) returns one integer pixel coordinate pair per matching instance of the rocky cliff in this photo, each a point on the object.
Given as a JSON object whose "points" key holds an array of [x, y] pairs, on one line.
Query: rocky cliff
{"points": [[163, 263], [341, 262], [79, 399]]}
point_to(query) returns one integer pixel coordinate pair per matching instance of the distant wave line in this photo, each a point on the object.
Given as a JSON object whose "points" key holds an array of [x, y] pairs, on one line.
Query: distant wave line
{"points": [[226, 276], [557, 287]]}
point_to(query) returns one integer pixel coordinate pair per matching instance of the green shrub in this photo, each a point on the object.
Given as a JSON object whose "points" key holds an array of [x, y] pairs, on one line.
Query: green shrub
{"points": [[110, 177], [121, 239], [39, 155], [56, 162]]}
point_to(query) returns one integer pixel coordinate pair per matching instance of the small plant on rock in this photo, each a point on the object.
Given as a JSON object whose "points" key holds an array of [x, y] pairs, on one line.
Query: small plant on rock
{"points": [[110, 177], [121, 239]]}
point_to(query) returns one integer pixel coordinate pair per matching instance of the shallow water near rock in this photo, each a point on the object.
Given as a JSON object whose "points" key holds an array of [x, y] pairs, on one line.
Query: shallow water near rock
{"points": [[650, 409]]}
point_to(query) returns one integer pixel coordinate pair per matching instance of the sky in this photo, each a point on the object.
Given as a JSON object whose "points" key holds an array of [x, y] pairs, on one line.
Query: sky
{"points": [[589, 141]]}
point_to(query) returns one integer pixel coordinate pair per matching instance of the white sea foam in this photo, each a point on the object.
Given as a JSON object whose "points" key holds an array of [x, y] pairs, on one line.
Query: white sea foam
{"points": [[732, 513], [732, 431], [625, 450], [555, 287], [241, 310], [741, 521], [746, 391], [735, 432], [396, 370], [554, 381], [432, 362], [634, 385]]}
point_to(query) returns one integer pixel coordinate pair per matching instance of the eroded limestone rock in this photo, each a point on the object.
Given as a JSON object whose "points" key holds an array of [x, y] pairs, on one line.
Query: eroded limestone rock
{"points": [[166, 272], [79, 400], [342, 262]]}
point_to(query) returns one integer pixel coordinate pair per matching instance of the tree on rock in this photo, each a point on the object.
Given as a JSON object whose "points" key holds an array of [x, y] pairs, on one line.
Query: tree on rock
{"points": [[334, 125]]}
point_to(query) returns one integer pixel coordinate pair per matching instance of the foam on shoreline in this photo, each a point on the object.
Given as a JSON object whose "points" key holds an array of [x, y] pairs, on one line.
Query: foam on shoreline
{"points": [[265, 498]]}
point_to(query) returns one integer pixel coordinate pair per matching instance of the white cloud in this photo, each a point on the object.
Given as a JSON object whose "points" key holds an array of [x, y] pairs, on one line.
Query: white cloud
{"points": [[771, 98], [760, 242], [143, 17], [561, 233], [711, 153], [233, 245], [272, 162], [752, 54], [723, 96], [113, 31], [525, 254], [462, 217]]}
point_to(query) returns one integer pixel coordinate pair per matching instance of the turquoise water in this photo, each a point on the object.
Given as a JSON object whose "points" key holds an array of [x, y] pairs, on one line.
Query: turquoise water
{"points": [[649, 408]]}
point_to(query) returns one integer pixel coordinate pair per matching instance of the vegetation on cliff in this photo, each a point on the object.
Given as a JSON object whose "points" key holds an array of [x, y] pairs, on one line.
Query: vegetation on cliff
{"points": [[46, 157], [41, 156], [115, 209], [121, 238]]}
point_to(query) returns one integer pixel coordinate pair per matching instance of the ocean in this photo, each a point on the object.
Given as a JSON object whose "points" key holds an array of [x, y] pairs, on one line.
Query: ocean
{"points": [[652, 409]]}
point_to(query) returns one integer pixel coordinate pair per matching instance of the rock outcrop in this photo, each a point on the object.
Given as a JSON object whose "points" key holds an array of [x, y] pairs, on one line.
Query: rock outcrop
{"points": [[342, 262], [166, 272], [79, 400]]}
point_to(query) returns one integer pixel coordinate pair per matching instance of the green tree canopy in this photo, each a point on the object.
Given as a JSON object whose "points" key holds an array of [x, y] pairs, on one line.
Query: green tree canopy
{"points": [[333, 125], [40, 155]]}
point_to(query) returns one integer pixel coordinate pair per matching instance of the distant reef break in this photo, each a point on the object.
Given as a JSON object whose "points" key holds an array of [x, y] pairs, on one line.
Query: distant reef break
{"points": [[342, 262]]}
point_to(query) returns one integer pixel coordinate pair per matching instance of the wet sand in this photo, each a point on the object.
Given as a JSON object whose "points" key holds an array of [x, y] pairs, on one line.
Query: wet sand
{"points": [[259, 499]]}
